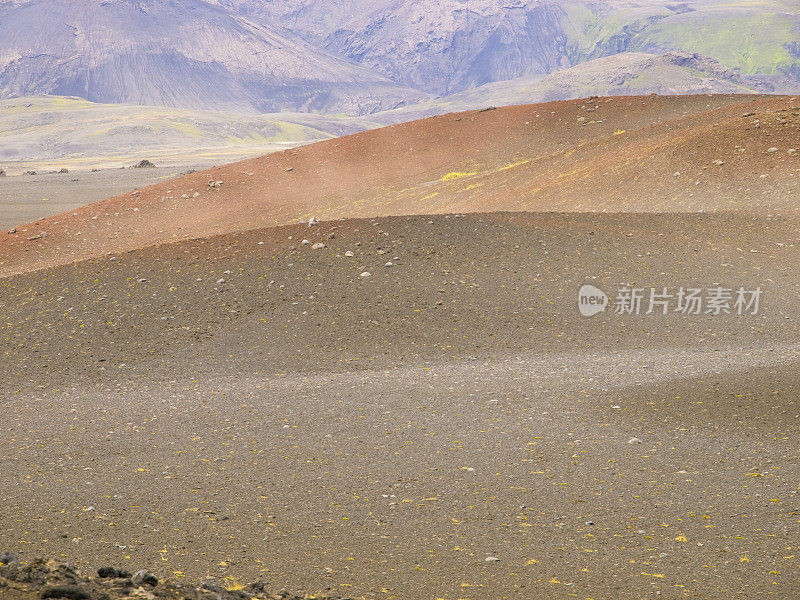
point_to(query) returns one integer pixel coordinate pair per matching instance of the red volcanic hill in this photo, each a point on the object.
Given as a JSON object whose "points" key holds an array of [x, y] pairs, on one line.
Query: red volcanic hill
{"points": [[619, 154]]}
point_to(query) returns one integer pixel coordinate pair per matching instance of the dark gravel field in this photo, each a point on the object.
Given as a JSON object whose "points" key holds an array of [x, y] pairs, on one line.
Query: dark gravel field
{"points": [[252, 408]]}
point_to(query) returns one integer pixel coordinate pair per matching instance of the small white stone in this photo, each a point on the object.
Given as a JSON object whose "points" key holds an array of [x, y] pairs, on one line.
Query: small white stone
{"points": [[366, 274]]}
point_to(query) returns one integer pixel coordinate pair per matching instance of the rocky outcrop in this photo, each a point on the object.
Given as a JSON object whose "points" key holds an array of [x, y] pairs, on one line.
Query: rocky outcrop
{"points": [[57, 580]]}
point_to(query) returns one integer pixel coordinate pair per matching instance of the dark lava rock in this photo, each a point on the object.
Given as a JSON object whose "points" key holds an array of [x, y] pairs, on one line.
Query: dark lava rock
{"points": [[70, 592], [144, 164], [111, 572]]}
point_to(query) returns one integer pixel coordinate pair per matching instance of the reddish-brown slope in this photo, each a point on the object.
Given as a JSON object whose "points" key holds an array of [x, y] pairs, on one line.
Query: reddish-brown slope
{"points": [[618, 154]]}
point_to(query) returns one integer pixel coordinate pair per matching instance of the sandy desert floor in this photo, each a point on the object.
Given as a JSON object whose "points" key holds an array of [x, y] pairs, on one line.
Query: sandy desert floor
{"points": [[26, 198]]}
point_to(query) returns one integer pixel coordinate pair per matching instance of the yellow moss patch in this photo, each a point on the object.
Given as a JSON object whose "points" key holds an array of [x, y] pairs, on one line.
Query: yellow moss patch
{"points": [[512, 165], [457, 175]]}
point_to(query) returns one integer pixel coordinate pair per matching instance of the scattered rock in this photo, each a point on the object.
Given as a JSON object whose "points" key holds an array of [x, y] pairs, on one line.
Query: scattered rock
{"points": [[144, 164], [366, 274], [29, 173], [6, 558], [389, 264], [492, 559], [2, 173], [196, 195], [772, 150], [719, 162], [349, 253], [64, 171], [144, 577], [792, 151], [12, 230], [748, 114], [312, 221], [318, 246], [305, 243], [634, 440]]}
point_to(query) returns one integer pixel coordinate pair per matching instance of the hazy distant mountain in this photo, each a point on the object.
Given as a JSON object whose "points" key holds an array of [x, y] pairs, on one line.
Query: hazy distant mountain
{"points": [[441, 46], [183, 53], [447, 46], [364, 56]]}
